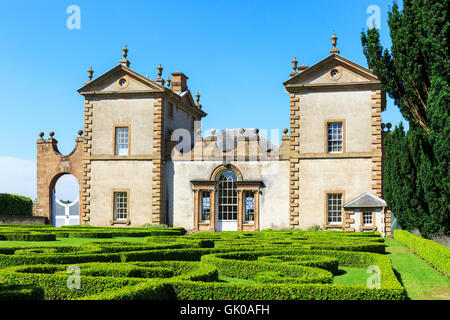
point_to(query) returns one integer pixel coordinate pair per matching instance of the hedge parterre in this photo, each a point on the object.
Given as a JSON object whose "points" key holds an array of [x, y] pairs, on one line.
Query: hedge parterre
{"points": [[276, 265], [48, 233]]}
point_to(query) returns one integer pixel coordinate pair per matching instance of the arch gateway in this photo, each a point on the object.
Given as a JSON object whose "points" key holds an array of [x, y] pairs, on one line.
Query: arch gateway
{"points": [[142, 156]]}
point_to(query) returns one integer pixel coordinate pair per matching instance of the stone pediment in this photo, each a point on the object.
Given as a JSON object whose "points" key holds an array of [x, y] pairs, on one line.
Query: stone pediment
{"points": [[186, 97], [333, 70], [120, 79]]}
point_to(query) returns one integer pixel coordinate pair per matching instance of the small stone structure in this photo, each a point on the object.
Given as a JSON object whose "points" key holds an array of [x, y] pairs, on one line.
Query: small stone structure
{"points": [[51, 165]]}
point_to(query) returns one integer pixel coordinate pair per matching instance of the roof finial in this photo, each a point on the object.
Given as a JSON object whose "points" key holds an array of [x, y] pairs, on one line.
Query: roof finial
{"points": [[159, 79], [124, 61], [294, 64], [334, 50], [160, 70], [197, 98], [294, 67], [90, 73], [169, 81], [125, 52]]}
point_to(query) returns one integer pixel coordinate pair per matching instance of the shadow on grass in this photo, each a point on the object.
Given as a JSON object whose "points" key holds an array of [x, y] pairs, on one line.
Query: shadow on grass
{"points": [[340, 272], [399, 278]]}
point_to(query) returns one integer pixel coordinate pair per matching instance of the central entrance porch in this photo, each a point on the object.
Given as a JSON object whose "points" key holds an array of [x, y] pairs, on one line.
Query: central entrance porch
{"points": [[226, 202]]}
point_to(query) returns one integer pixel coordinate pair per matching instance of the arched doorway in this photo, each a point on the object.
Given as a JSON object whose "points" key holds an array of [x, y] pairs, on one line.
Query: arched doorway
{"points": [[64, 200], [51, 166]]}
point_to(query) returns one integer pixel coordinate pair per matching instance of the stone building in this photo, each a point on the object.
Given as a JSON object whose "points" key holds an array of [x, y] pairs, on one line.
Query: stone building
{"points": [[143, 158]]}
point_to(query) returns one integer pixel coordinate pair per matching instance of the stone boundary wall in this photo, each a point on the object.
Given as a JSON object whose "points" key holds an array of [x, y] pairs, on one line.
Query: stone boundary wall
{"points": [[23, 220]]}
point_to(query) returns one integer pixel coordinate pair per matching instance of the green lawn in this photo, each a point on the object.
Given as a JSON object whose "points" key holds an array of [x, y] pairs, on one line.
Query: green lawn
{"points": [[350, 275], [70, 241], [421, 281]]}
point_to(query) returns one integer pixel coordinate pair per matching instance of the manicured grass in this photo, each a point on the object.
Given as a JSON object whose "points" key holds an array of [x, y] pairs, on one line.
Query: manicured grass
{"points": [[421, 281], [350, 275], [70, 241]]}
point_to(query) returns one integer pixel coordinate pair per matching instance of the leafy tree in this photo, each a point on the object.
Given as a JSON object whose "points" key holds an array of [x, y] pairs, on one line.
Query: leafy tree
{"points": [[415, 74]]}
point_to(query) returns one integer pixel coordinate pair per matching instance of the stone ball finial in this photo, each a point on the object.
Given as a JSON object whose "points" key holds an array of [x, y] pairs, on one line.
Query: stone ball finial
{"points": [[285, 131], [80, 132], [256, 130], [51, 134], [389, 126], [41, 134], [241, 131], [383, 126], [213, 132]]}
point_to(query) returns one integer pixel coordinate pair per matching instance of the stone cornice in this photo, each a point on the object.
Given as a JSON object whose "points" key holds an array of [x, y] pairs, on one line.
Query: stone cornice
{"points": [[308, 87], [346, 155]]}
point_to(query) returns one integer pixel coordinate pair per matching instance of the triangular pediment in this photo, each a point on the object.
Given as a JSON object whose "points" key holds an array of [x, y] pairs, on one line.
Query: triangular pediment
{"points": [[120, 79], [332, 70], [366, 200], [187, 98]]}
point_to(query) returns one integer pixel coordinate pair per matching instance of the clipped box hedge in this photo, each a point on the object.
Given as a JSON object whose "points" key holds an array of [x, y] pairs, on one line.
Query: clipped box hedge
{"points": [[434, 253], [21, 292], [25, 236], [15, 205], [49, 233], [291, 264]]}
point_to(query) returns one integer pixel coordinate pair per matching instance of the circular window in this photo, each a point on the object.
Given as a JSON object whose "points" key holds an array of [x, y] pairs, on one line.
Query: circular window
{"points": [[122, 82], [334, 73]]}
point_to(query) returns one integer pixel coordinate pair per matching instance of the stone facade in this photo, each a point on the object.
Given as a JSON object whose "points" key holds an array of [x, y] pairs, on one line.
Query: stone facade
{"points": [[234, 179]]}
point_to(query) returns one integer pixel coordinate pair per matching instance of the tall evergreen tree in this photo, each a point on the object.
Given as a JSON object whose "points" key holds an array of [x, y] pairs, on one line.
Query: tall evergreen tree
{"points": [[399, 180], [416, 75]]}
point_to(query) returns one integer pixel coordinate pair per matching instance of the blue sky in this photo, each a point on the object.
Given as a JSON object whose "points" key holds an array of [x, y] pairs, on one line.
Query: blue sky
{"points": [[235, 53]]}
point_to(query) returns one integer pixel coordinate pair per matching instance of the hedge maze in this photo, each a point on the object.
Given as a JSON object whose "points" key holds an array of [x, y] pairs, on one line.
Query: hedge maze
{"points": [[271, 265]]}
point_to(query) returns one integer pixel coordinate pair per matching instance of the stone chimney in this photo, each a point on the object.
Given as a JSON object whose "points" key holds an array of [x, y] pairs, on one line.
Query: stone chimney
{"points": [[179, 82]]}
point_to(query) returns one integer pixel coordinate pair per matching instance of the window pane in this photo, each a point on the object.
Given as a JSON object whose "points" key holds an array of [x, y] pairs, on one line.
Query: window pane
{"points": [[227, 196], [205, 210], [249, 209], [367, 218], [120, 205], [121, 141], [334, 138], [334, 208]]}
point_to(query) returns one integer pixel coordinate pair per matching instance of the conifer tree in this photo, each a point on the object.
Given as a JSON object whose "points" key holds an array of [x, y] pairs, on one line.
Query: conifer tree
{"points": [[415, 73]]}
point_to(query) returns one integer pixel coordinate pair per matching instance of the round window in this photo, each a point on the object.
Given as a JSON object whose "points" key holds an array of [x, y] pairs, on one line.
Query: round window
{"points": [[334, 73], [122, 82]]}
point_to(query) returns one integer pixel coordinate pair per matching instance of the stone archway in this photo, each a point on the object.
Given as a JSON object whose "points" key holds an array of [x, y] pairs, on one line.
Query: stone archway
{"points": [[51, 165]]}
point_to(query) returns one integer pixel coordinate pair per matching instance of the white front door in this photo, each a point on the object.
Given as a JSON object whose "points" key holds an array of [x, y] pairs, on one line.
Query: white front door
{"points": [[226, 225]]}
